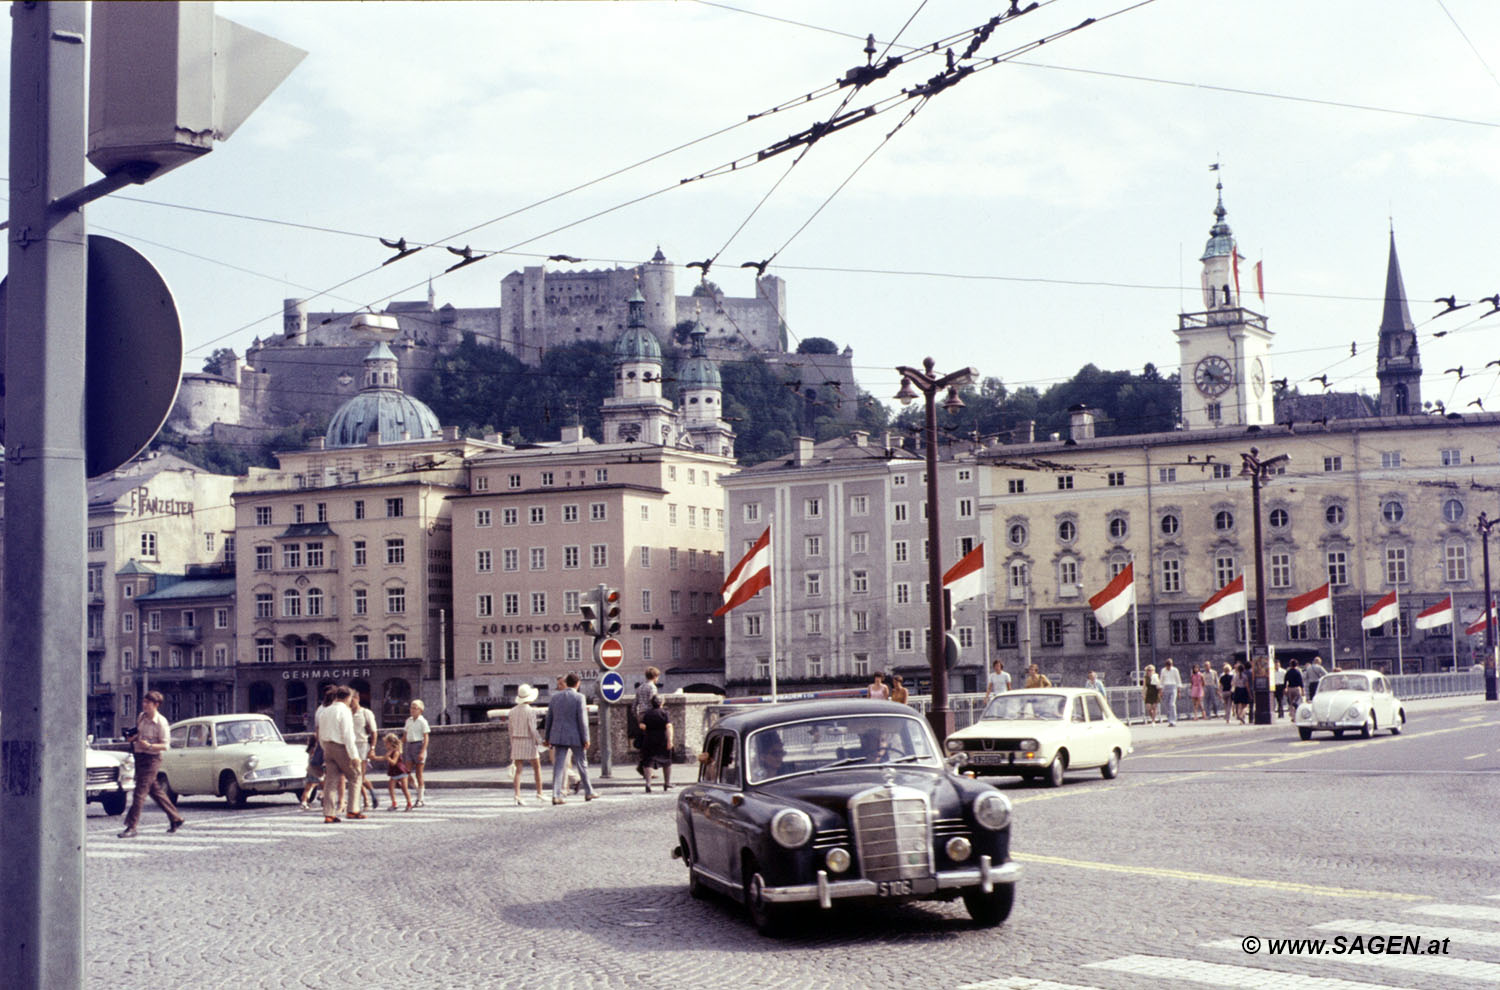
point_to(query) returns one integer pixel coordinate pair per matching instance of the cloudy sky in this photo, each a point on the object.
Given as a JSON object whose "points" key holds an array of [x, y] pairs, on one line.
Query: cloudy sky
{"points": [[1046, 212]]}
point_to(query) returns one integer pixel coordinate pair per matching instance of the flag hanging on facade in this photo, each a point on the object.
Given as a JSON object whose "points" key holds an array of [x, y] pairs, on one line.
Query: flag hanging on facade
{"points": [[1226, 601], [1477, 627], [965, 579], [1440, 614], [1383, 611], [1237, 259], [1260, 280], [1116, 598], [1314, 605], [749, 576]]}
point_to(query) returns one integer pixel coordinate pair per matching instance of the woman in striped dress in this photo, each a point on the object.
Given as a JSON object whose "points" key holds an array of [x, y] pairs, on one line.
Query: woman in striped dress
{"points": [[525, 740]]}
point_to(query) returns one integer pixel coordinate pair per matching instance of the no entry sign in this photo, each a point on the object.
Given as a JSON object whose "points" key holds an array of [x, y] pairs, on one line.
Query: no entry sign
{"points": [[611, 653]]}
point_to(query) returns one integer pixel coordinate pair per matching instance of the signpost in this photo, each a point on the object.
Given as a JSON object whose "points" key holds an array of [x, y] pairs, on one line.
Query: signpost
{"points": [[611, 652]]}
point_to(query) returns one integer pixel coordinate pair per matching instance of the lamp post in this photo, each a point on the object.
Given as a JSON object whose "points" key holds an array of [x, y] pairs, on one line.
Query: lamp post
{"points": [[939, 715], [1260, 672], [1485, 522]]}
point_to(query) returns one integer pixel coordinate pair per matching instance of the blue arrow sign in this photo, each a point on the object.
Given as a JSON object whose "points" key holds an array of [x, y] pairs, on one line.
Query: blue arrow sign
{"points": [[612, 687]]}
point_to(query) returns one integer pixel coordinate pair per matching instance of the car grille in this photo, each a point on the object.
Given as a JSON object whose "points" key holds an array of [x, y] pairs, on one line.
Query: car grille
{"points": [[989, 745], [831, 838], [944, 829], [892, 833], [102, 775]]}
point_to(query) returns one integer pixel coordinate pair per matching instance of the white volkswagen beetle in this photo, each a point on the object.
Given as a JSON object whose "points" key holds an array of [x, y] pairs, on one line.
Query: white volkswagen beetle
{"points": [[1348, 701], [1041, 734]]}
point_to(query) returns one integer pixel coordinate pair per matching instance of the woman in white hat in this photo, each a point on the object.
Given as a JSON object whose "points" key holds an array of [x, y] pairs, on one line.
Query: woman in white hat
{"points": [[524, 740]]}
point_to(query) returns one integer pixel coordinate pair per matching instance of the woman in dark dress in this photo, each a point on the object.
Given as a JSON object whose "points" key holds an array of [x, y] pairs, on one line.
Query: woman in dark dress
{"points": [[1241, 696], [656, 743]]}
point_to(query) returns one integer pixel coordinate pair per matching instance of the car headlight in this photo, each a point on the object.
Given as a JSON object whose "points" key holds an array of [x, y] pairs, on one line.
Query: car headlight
{"points": [[252, 763], [791, 828], [1030, 745], [127, 769], [955, 745], [837, 859], [992, 810], [1355, 712]]}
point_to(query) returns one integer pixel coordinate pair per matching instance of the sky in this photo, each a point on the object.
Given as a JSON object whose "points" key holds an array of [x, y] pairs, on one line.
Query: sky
{"points": [[1046, 212]]}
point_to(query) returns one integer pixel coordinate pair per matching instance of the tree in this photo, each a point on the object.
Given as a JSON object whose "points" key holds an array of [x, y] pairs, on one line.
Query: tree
{"points": [[707, 289], [222, 362], [817, 345]]}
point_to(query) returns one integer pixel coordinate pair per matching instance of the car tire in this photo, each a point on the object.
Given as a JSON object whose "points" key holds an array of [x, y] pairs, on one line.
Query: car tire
{"points": [[1397, 723], [161, 778], [233, 793], [989, 910], [765, 916], [1111, 770], [114, 803], [696, 889], [1056, 769], [1368, 729], [1306, 734]]}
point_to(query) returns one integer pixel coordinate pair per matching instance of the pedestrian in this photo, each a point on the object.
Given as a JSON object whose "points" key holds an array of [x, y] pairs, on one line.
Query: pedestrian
{"points": [[151, 738], [656, 743], [1314, 673], [1240, 688], [1278, 679], [1171, 683], [1151, 692], [525, 740], [1226, 691], [998, 682], [568, 735], [1195, 691], [336, 733], [899, 694], [878, 689], [395, 768], [643, 696], [364, 741], [1035, 678], [1293, 686], [1095, 683], [570, 775], [418, 734]]}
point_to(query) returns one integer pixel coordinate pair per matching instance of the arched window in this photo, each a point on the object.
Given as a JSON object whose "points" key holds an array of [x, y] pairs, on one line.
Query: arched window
{"points": [[1223, 520], [1170, 524]]}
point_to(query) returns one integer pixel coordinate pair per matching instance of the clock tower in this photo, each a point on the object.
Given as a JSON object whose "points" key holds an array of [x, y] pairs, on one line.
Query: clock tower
{"points": [[1225, 349]]}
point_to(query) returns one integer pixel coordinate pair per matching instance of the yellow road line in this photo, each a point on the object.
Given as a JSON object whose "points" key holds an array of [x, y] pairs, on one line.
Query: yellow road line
{"points": [[1474, 757], [1158, 872]]}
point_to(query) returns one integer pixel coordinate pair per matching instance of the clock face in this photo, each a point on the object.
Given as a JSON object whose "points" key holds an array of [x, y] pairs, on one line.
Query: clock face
{"points": [[1213, 375], [1258, 377]]}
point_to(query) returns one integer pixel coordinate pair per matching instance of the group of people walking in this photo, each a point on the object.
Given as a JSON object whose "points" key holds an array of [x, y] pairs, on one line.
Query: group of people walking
{"points": [[345, 746], [1227, 689]]}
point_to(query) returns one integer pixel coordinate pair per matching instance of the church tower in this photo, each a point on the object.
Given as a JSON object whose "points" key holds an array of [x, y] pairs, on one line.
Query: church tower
{"points": [[1398, 367], [1225, 349], [702, 391], [637, 412]]}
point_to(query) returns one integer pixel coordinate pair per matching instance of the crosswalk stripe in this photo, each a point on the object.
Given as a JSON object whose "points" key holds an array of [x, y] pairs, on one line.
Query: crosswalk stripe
{"points": [[111, 854], [153, 847], [1352, 926], [1462, 969], [1022, 983], [1466, 912], [1226, 977]]}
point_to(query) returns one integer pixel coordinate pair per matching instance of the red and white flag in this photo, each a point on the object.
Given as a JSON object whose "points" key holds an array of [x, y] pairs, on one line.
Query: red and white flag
{"points": [[1440, 614], [1116, 598], [1477, 626], [1237, 259], [965, 579], [1314, 605], [1383, 611], [751, 574], [1226, 601], [1260, 280]]}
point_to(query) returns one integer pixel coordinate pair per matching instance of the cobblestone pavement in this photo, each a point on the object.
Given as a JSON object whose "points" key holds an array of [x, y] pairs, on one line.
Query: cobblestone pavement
{"points": [[1134, 883]]}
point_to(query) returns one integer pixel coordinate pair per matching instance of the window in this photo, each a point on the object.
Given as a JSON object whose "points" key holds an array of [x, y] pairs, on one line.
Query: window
{"points": [[208, 542], [547, 479], [813, 583], [674, 601], [597, 512], [228, 559], [903, 593], [1214, 410], [538, 603], [898, 481], [1450, 457], [1093, 633], [96, 539], [1067, 577], [1170, 524], [315, 555], [1392, 511], [1118, 528], [314, 601], [1334, 514], [512, 651], [1395, 565], [510, 517], [1338, 567], [513, 481], [298, 514], [1333, 463], [1453, 510], [599, 555], [570, 558], [1246, 632], [221, 655], [1224, 570], [1007, 632], [570, 602], [1224, 521], [903, 640], [395, 646], [486, 653], [291, 604], [148, 546], [812, 622], [859, 505], [1299, 631], [484, 561], [153, 621], [483, 518], [395, 550], [291, 556], [645, 647], [965, 474], [1016, 534], [262, 515], [572, 649], [861, 621], [812, 546], [753, 625], [859, 582], [484, 606], [966, 508], [1067, 531], [510, 559], [601, 475], [1205, 631], [671, 513], [1456, 562], [395, 600], [899, 551], [570, 513], [1222, 471], [1166, 474], [265, 651], [510, 602], [359, 508], [1015, 486], [361, 601], [1390, 458], [1052, 630], [361, 554], [1279, 518], [127, 619], [395, 508], [862, 665], [1115, 479], [1171, 576], [537, 515], [1281, 570], [1017, 581], [538, 558], [859, 542], [752, 512], [812, 508], [645, 513]]}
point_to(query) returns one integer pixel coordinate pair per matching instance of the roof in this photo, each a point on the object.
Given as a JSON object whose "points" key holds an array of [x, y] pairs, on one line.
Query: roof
{"points": [[1396, 316], [307, 529], [215, 587], [799, 710], [638, 344], [134, 567], [386, 412]]}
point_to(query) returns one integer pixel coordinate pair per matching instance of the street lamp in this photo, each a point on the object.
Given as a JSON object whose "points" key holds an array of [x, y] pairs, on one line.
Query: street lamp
{"points": [[1257, 470], [929, 384], [1485, 522]]}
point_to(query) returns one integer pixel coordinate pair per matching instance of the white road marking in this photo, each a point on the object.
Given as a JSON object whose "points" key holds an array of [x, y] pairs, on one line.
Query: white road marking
{"points": [[110, 854], [1476, 756], [1460, 969], [1226, 977], [1352, 926], [151, 847], [1464, 912], [1022, 983]]}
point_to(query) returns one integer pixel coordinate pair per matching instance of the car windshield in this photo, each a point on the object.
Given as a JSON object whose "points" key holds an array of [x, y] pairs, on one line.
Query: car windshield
{"points": [[826, 743], [1019, 704], [246, 730], [1344, 682]]}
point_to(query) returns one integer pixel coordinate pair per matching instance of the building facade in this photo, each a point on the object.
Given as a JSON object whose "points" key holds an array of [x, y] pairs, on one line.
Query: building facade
{"points": [[186, 642]]}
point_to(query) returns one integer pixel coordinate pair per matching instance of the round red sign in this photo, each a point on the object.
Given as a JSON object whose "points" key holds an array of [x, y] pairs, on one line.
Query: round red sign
{"points": [[611, 653]]}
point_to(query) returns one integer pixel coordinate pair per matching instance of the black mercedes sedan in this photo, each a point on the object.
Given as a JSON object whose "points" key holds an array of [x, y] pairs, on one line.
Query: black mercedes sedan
{"points": [[823, 801]]}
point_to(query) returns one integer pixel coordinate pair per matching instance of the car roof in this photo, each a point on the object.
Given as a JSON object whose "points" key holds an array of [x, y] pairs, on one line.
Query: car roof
{"points": [[216, 719], [1362, 670], [796, 711]]}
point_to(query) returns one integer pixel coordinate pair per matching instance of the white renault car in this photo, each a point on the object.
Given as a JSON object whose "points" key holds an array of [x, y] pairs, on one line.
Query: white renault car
{"points": [[1351, 701], [1041, 734]]}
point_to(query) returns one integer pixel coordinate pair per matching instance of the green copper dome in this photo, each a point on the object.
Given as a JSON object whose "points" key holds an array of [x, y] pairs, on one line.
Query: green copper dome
{"points": [[637, 344], [381, 408]]}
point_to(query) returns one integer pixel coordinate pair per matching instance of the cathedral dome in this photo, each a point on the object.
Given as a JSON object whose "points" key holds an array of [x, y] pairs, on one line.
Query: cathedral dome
{"points": [[699, 372], [637, 344], [381, 409]]}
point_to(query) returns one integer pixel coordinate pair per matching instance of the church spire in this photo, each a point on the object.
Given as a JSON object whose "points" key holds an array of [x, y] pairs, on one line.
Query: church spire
{"points": [[1398, 366]]}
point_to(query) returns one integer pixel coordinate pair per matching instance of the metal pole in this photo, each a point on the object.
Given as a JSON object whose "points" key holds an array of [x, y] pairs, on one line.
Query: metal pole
{"points": [[771, 601], [42, 681], [443, 665], [939, 715], [1260, 679], [1490, 693]]}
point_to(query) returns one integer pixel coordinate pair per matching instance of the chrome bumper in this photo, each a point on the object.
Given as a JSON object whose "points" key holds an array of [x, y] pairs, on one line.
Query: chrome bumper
{"points": [[825, 891]]}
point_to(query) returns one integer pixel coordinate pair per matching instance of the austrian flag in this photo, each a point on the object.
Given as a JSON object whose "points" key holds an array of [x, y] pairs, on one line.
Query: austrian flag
{"points": [[965, 579], [1440, 614], [1226, 601], [1383, 611], [1115, 600], [1314, 605], [749, 576]]}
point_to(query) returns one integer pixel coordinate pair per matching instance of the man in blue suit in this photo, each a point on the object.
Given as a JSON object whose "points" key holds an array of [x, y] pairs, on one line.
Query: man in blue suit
{"points": [[568, 733]]}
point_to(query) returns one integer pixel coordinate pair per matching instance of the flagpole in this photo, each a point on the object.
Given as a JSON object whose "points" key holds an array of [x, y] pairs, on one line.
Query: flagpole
{"points": [[1453, 628], [1333, 653], [1135, 625], [1399, 635], [771, 546]]}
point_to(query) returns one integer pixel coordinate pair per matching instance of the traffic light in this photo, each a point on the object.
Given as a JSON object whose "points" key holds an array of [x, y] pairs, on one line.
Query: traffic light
{"points": [[591, 621], [609, 611]]}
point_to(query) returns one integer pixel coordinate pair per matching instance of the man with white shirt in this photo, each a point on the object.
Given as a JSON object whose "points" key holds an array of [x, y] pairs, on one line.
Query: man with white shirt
{"points": [[336, 734], [1171, 683]]}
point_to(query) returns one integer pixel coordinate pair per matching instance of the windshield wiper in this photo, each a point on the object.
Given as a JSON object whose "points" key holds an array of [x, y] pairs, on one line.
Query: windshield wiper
{"points": [[846, 761]]}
